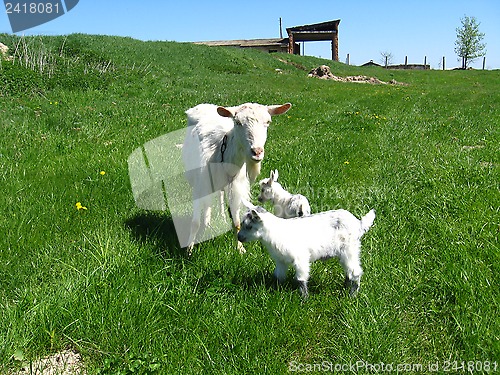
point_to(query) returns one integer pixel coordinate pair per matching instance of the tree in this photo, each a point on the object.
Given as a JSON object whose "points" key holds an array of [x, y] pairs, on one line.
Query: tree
{"points": [[386, 58], [468, 45]]}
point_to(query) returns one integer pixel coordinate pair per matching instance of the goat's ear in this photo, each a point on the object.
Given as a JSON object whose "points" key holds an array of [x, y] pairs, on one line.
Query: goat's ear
{"points": [[274, 176], [255, 215], [224, 112], [278, 109]]}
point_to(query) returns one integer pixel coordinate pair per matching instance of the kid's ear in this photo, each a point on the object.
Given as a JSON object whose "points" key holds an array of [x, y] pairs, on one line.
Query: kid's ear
{"points": [[224, 112], [276, 175], [255, 215]]}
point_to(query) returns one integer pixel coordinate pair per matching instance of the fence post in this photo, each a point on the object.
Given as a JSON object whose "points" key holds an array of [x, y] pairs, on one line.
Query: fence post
{"points": [[348, 59], [386, 59], [444, 67], [484, 62], [425, 62]]}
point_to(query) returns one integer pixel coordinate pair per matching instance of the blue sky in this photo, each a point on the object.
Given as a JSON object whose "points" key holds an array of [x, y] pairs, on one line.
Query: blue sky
{"points": [[403, 28]]}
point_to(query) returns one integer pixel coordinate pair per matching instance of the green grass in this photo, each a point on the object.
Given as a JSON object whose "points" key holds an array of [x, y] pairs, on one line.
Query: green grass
{"points": [[111, 281]]}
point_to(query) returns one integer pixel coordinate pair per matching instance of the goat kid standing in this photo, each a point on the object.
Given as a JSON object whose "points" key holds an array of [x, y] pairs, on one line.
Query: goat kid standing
{"points": [[300, 241], [286, 205], [222, 152]]}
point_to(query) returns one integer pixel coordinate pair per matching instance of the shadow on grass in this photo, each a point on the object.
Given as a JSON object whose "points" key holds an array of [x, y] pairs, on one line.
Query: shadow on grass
{"points": [[266, 279], [157, 229], [218, 283]]}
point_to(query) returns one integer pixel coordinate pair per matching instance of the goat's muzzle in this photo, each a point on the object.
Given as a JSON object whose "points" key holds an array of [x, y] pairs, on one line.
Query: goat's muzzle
{"points": [[241, 237], [257, 153]]}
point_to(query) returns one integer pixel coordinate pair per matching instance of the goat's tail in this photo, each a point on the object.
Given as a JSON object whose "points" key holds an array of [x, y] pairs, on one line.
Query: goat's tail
{"points": [[367, 221]]}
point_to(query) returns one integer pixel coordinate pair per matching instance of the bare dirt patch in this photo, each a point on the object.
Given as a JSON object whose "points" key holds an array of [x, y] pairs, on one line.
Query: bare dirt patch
{"points": [[324, 72], [66, 362]]}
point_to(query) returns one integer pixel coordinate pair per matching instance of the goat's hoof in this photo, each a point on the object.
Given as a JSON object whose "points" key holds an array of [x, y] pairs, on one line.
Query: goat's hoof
{"points": [[304, 293], [241, 248], [353, 291], [353, 287]]}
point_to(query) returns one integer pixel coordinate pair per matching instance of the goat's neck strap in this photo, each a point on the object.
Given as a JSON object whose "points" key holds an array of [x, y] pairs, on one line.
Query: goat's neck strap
{"points": [[223, 148]]}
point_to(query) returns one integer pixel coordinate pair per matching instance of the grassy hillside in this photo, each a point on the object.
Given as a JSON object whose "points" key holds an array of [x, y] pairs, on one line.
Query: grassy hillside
{"points": [[111, 281]]}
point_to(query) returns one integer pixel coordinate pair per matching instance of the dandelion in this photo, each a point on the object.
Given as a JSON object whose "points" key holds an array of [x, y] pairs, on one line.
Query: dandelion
{"points": [[346, 162], [79, 206], [102, 173]]}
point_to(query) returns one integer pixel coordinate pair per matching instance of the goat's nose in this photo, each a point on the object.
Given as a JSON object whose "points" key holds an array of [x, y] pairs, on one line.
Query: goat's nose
{"points": [[241, 237], [256, 151]]}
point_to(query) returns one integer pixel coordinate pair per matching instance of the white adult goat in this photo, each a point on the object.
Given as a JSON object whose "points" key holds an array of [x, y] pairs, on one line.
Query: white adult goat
{"points": [[223, 150]]}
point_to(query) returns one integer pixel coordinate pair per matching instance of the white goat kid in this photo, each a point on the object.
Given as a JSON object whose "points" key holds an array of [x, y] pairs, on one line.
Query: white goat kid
{"points": [[223, 151], [286, 205], [300, 241]]}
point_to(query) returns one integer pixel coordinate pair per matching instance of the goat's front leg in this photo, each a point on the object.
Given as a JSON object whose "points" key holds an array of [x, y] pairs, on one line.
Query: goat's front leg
{"points": [[235, 216], [234, 209], [280, 271], [302, 276], [236, 229]]}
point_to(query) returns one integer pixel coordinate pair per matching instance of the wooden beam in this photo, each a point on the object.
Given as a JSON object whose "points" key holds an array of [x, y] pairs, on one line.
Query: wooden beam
{"points": [[291, 43], [335, 47]]}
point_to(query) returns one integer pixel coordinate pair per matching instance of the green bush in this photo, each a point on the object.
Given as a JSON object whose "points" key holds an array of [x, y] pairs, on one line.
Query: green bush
{"points": [[17, 80]]}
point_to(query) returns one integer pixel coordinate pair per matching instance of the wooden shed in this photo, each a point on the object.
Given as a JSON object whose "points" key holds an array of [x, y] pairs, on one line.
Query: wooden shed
{"points": [[325, 31], [267, 45]]}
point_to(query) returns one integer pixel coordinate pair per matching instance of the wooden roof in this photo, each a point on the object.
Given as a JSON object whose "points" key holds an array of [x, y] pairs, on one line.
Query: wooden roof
{"points": [[313, 32], [282, 42]]}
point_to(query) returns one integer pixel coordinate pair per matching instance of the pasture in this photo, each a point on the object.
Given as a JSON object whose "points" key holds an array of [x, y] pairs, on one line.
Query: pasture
{"points": [[109, 280]]}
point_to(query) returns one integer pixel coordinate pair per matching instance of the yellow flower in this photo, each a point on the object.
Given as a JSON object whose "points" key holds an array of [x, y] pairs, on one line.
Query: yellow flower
{"points": [[346, 162], [80, 207], [102, 173]]}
